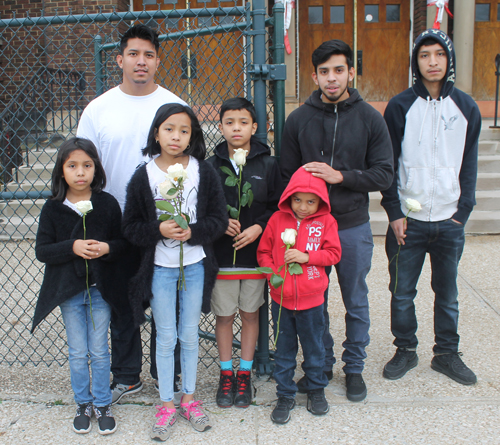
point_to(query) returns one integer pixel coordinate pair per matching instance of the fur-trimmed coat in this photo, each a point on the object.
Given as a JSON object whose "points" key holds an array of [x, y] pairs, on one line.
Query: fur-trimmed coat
{"points": [[142, 228], [65, 273]]}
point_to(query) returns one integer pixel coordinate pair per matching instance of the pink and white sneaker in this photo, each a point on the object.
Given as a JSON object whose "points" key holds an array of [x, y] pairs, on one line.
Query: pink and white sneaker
{"points": [[163, 426], [194, 414]]}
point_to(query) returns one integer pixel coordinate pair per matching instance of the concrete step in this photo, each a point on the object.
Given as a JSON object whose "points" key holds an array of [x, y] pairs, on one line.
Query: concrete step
{"points": [[18, 228], [487, 133], [488, 181], [488, 164], [35, 172], [46, 156], [485, 200], [28, 186], [21, 208], [489, 147]]}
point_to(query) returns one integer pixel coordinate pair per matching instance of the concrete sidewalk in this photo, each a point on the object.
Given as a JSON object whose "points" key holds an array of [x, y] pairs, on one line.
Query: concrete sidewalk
{"points": [[424, 407]]}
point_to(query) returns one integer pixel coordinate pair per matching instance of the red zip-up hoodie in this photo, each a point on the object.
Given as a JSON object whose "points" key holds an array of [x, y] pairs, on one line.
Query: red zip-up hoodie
{"points": [[317, 235]]}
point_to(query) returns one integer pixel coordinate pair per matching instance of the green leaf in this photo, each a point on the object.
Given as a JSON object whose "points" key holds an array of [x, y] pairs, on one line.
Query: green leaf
{"points": [[264, 269], [281, 268], [165, 217], [295, 269], [246, 187], [250, 198], [276, 281], [227, 171], [233, 213], [165, 206], [188, 219], [231, 181], [181, 221], [172, 191], [244, 199]]}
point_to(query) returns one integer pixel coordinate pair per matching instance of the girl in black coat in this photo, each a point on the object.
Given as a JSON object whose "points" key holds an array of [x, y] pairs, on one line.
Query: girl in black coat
{"points": [[150, 223], [80, 274]]}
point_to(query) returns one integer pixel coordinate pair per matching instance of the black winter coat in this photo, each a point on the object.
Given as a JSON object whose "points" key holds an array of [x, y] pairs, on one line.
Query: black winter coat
{"points": [[142, 228], [350, 136], [65, 273], [262, 171]]}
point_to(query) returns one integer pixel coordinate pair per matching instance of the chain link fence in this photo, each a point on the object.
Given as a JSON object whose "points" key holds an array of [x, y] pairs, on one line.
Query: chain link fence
{"points": [[51, 68]]}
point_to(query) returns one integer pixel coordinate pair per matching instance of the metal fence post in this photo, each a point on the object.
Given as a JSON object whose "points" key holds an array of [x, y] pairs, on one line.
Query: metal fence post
{"points": [[99, 86], [279, 85]]}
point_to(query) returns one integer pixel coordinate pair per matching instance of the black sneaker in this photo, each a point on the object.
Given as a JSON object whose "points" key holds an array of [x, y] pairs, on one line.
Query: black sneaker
{"points": [[453, 366], [400, 364], [302, 382], [81, 423], [281, 412], [105, 419], [225, 392], [243, 392], [316, 402], [118, 390], [356, 388]]}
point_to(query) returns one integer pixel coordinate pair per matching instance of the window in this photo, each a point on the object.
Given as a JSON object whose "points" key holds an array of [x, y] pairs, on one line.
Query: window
{"points": [[315, 15], [392, 13], [371, 13], [483, 12], [337, 14]]}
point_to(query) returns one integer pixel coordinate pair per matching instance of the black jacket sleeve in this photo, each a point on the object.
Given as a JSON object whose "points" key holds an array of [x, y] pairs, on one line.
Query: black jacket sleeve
{"points": [[274, 191]]}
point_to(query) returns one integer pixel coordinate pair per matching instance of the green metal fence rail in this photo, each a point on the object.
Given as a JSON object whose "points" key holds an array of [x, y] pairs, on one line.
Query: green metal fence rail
{"points": [[52, 67]]}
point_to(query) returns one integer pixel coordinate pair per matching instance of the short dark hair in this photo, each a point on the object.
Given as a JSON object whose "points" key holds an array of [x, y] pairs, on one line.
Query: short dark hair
{"points": [[196, 146], [238, 103], [429, 41], [59, 184], [139, 32], [332, 48]]}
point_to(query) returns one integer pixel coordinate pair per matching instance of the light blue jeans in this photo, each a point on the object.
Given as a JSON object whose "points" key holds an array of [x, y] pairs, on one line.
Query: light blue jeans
{"points": [[84, 341], [163, 306]]}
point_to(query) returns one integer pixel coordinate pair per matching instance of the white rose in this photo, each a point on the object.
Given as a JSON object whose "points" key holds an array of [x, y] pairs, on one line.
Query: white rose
{"points": [[176, 172], [289, 236], [413, 205], [164, 187], [84, 207], [240, 157]]}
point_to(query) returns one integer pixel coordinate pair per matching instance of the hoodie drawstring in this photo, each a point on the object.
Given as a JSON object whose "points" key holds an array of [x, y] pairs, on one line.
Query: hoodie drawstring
{"points": [[438, 117], [423, 120]]}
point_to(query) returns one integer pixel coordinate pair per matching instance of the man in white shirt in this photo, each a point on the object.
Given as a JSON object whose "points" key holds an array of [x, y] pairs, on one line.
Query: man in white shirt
{"points": [[118, 122]]}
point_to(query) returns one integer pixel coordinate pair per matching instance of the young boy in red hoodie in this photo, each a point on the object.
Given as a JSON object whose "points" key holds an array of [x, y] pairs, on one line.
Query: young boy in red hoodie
{"points": [[305, 207]]}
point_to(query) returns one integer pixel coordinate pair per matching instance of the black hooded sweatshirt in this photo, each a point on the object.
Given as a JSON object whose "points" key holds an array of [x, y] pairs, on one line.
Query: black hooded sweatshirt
{"points": [[350, 136]]}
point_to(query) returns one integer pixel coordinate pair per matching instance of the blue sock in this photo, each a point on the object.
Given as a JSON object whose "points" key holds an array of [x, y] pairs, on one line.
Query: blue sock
{"points": [[226, 366], [246, 365]]}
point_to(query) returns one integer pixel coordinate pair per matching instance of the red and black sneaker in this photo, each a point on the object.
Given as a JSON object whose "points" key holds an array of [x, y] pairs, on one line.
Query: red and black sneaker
{"points": [[243, 396], [225, 392]]}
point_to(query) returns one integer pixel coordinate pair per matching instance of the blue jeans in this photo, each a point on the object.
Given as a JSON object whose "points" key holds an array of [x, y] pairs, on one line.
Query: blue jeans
{"points": [[357, 251], [444, 241], [168, 330], [308, 326], [84, 341]]}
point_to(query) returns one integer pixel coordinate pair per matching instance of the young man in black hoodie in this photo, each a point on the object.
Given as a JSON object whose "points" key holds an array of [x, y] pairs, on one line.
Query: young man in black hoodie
{"points": [[434, 129], [341, 139]]}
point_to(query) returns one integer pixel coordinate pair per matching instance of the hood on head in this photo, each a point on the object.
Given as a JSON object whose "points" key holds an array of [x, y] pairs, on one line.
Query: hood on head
{"points": [[449, 79], [304, 182]]}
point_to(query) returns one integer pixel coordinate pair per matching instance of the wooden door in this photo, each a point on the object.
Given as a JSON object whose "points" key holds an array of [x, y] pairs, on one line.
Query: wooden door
{"points": [[320, 20], [383, 28], [486, 47]]}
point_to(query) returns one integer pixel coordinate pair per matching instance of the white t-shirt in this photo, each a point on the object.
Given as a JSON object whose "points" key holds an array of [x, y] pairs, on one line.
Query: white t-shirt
{"points": [[118, 124], [167, 250]]}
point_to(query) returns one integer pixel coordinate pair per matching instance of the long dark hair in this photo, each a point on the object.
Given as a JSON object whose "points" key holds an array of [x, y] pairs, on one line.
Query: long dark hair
{"points": [[59, 184], [196, 147]]}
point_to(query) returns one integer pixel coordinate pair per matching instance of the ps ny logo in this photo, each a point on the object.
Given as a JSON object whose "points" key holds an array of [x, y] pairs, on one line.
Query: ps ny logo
{"points": [[448, 125]]}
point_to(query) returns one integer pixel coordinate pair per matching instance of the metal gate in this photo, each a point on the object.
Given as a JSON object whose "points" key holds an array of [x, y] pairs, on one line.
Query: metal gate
{"points": [[52, 66]]}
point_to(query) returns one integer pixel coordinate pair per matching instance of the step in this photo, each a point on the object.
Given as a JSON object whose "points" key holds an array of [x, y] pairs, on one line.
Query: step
{"points": [[481, 222], [45, 156], [18, 228], [488, 164], [21, 208], [28, 186], [35, 172], [489, 147], [488, 181], [487, 133]]}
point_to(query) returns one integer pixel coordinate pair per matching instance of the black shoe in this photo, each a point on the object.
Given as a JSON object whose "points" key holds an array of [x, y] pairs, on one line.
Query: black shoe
{"points": [[316, 402], [81, 423], [243, 392], [118, 390], [356, 388], [225, 392], [281, 412], [105, 419], [453, 366], [400, 364], [302, 382]]}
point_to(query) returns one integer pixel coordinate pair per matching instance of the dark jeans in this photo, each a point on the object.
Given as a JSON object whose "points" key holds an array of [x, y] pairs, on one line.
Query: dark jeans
{"points": [[357, 251], [308, 326], [444, 241]]}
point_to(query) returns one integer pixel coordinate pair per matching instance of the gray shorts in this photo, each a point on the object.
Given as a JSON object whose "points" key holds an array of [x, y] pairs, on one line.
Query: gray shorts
{"points": [[230, 295]]}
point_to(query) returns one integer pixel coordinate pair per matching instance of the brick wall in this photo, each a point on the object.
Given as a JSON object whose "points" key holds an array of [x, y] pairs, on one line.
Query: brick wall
{"points": [[419, 17]]}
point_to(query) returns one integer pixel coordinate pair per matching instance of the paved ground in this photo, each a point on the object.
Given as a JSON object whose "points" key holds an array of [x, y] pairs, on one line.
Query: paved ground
{"points": [[424, 407]]}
